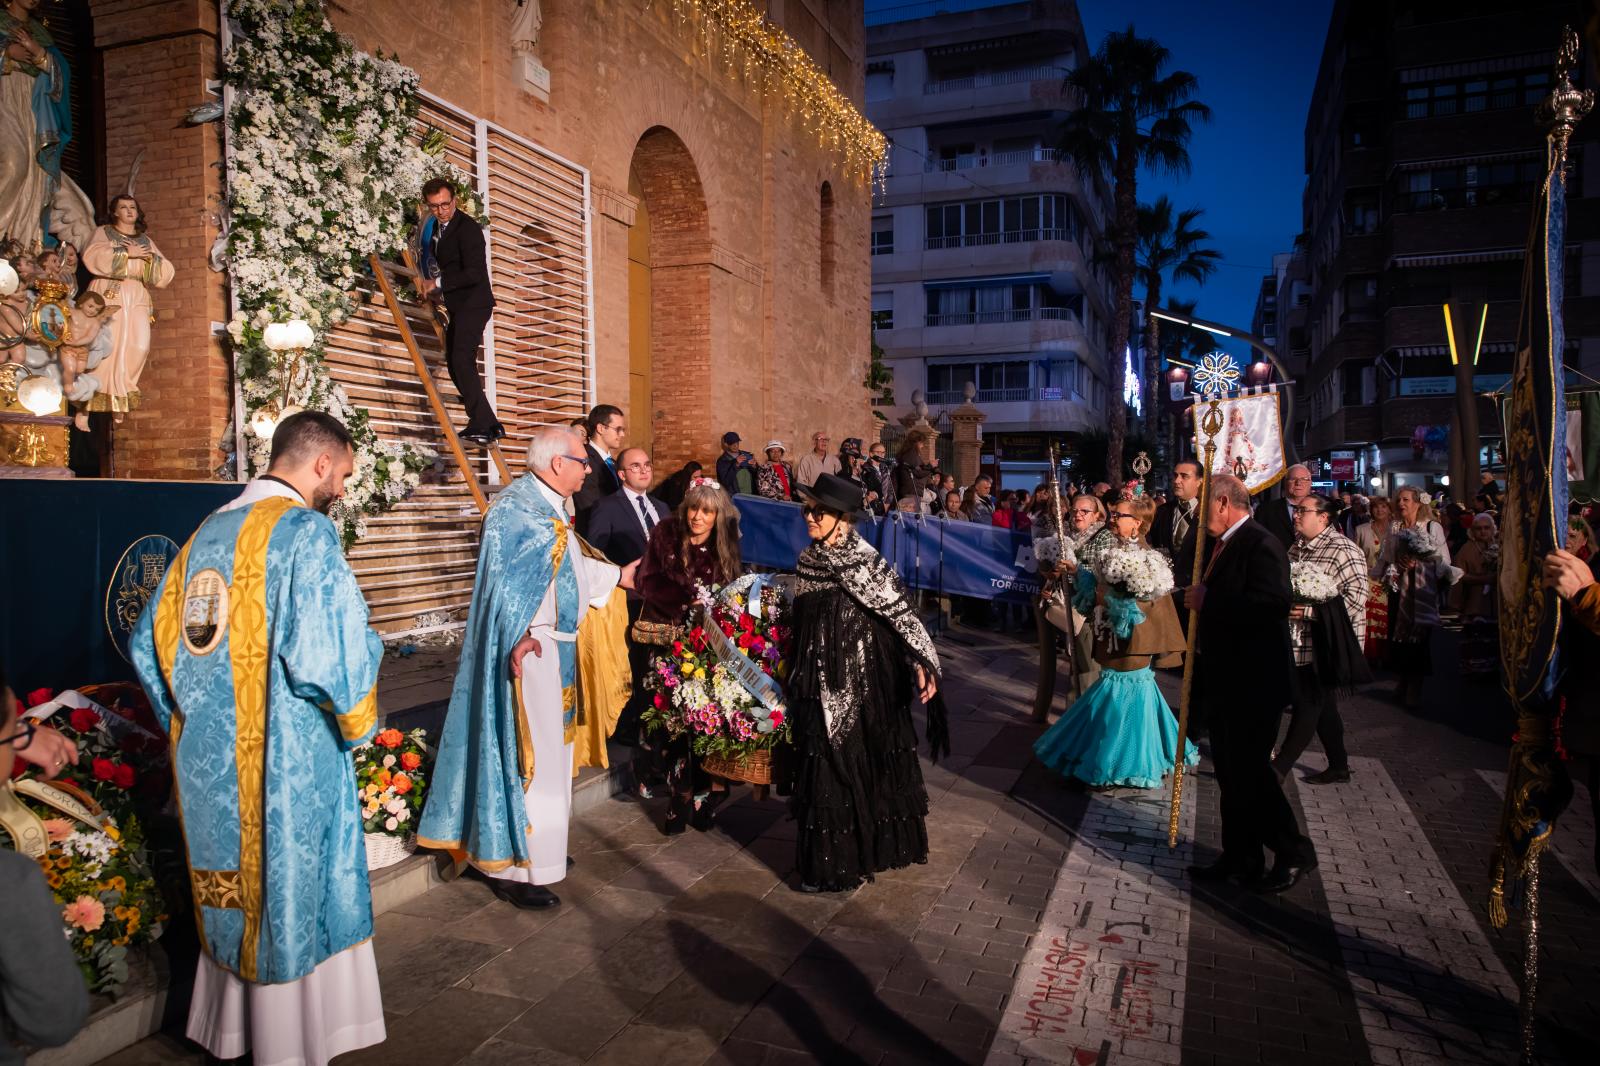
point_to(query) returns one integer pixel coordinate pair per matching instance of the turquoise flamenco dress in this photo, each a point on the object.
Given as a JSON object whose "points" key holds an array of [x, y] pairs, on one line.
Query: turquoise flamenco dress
{"points": [[1121, 733]]}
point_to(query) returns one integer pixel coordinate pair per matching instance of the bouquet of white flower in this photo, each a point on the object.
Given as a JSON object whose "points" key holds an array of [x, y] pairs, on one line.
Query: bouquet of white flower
{"points": [[1054, 551], [1138, 573], [1311, 584]]}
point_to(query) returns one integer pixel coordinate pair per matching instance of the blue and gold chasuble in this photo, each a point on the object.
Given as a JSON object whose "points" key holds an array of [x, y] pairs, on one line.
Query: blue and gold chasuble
{"points": [[475, 801], [257, 657]]}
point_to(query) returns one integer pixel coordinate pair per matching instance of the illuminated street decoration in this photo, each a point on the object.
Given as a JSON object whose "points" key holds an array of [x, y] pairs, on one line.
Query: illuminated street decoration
{"points": [[1218, 374]]}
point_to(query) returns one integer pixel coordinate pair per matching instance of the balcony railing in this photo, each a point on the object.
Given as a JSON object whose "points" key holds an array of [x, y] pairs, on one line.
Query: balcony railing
{"points": [[994, 77], [1019, 314], [991, 159], [1017, 236], [956, 398]]}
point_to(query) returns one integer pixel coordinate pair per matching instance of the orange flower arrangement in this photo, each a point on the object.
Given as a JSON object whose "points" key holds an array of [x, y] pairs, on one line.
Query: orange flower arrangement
{"points": [[391, 781]]}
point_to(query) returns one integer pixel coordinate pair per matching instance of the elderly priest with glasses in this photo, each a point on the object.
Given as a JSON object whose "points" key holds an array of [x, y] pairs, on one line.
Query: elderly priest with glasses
{"points": [[542, 679]]}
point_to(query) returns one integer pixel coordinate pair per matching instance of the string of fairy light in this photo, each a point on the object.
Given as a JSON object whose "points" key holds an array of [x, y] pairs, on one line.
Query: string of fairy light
{"points": [[741, 38]]}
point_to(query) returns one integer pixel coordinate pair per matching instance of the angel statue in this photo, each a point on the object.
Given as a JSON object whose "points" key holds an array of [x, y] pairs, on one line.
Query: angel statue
{"points": [[38, 203], [525, 26], [126, 265]]}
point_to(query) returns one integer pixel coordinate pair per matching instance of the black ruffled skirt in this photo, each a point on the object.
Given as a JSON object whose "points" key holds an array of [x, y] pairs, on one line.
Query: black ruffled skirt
{"points": [[860, 806]]}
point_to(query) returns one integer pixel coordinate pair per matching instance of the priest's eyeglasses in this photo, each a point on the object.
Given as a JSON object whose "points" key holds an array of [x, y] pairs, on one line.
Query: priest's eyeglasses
{"points": [[584, 459]]}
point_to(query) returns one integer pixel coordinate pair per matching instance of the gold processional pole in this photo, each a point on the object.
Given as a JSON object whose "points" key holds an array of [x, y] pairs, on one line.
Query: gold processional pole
{"points": [[1211, 424]]}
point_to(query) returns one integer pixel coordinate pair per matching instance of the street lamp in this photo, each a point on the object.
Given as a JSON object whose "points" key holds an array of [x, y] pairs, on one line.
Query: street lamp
{"points": [[1267, 352], [288, 341]]}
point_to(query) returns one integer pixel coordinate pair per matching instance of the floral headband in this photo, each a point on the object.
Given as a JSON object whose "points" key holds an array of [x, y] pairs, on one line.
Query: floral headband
{"points": [[700, 481]]}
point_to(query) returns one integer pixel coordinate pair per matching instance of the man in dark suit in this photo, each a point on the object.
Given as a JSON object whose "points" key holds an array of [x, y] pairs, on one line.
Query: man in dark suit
{"points": [[456, 270], [606, 429], [1243, 680], [620, 526], [1278, 515], [1175, 530]]}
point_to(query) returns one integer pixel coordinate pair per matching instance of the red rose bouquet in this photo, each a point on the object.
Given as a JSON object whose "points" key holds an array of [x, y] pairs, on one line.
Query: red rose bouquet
{"points": [[722, 682], [123, 758]]}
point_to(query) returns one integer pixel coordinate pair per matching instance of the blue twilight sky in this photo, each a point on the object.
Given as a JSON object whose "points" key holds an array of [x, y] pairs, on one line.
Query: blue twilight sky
{"points": [[1257, 64]]}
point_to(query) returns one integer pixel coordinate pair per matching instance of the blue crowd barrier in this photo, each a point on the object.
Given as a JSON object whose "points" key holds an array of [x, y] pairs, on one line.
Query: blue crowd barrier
{"points": [[928, 552]]}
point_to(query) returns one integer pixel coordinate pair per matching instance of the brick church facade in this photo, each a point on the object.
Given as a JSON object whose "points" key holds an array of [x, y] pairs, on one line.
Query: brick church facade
{"points": [[727, 254]]}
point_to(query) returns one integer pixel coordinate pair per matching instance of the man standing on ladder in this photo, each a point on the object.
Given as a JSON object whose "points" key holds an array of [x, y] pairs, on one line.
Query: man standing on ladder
{"points": [[455, 271]]}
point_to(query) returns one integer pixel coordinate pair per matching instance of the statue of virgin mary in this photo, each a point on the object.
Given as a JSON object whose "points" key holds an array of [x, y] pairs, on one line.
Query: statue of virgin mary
{"points": [[39, 205]]}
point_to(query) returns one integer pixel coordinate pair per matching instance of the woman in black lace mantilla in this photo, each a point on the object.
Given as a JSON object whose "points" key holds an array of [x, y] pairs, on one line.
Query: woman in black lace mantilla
{"points": [[861, 657]]}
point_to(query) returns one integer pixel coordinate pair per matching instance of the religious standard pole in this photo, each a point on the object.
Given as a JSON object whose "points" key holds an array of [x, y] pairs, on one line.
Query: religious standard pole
{"points": [[1047, 591], [1211, 424]]}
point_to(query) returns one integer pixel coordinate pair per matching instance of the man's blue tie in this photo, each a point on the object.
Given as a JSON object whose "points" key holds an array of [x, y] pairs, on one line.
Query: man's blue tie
{"points": [[646, 513]]}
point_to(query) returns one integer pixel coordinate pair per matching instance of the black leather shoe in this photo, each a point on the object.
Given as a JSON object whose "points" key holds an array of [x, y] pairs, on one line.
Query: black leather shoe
{"points": [[1284, 877], [519, 894], [1330, 776], [482, 440]]}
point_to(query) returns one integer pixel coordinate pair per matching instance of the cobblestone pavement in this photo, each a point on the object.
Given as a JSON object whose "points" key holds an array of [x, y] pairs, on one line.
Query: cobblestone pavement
{"points": [[1050, 924]]}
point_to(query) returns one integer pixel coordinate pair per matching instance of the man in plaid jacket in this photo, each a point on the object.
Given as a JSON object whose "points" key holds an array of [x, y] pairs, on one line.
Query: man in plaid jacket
{"points": [[1319, 544]]}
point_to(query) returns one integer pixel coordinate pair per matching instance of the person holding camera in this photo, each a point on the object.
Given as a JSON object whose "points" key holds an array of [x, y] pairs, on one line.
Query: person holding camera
{"points": [[736, 467]]}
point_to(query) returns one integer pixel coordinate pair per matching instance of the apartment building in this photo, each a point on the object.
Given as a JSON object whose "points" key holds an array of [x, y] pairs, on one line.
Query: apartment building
{"points": [[982, 241], [1423, 159]]}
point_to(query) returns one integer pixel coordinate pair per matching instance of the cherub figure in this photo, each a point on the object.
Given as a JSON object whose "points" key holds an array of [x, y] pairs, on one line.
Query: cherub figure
{"points": [[48, 264], [89, 317], [69, 267]]}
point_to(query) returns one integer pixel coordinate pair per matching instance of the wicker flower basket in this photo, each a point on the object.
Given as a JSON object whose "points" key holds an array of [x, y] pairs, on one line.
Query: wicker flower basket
{"points": [[385, 850], [756, 767]]}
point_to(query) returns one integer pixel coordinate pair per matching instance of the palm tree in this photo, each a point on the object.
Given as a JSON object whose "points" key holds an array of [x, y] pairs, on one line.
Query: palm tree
{"points": [[1169, 247], [1131, 116]]}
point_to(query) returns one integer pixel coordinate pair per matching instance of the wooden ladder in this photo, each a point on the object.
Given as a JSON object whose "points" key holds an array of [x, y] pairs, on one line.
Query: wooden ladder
{"points": [[385, 272]]}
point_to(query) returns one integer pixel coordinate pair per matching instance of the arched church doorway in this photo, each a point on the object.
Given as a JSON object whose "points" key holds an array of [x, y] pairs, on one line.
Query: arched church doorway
{"points": [[669, 304]]}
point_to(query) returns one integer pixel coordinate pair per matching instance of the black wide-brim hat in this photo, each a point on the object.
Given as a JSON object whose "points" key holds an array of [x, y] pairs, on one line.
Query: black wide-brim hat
{"points": [[836, 494]]}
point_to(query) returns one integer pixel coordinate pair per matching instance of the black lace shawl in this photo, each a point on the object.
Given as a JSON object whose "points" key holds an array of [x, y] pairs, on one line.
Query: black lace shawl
{"points": [[853, 566]]}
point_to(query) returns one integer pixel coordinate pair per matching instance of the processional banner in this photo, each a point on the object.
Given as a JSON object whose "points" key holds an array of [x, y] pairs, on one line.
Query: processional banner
{"points": [[1251, 440], [1535, 516]]}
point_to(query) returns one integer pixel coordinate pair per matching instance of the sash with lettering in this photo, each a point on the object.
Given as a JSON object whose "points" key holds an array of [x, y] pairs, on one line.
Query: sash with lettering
{"points": [[485, 763], [258, 661], [1535, 510]]}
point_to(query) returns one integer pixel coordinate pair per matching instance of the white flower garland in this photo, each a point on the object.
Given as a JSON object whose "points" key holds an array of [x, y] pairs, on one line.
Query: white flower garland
{"points": [[324, 171]]}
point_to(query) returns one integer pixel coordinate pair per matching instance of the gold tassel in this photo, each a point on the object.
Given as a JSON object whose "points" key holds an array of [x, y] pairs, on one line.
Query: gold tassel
{"points": [[1497, 890]]}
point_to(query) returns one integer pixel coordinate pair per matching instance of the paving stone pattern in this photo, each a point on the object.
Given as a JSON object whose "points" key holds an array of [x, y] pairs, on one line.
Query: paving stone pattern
{"points": [[1043, 904], [1104, 977]]}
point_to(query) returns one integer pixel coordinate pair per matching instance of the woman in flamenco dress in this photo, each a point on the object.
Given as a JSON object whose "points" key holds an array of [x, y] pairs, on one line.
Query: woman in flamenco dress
{"points": [[1121, 733], [694, 551], [861, 657]]}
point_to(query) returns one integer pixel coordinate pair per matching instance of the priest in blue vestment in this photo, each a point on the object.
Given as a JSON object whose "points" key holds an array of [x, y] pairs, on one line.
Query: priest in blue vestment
{"points": [[257, 657], [542, 678]]}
